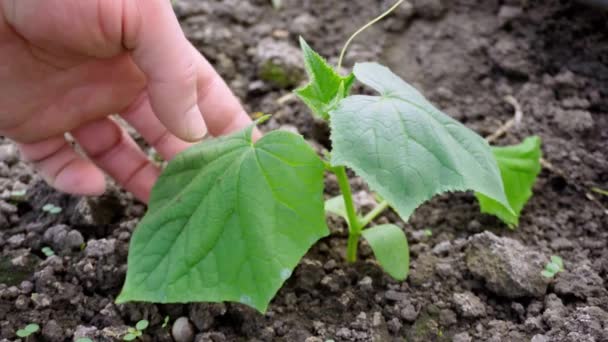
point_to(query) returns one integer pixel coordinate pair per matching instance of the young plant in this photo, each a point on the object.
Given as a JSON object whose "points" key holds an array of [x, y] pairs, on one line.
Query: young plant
{"points": [[137, 332], [47, 251], [230, 218], [84, 339], [18, 195], [553, 267], [52, 209], [28, 330]]}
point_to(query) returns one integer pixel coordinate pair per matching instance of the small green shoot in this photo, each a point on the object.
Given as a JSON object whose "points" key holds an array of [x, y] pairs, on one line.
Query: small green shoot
{"points": [[553, 267], [277, 4], [52, 209], [18, 195], [47, 251], [137, 332], [29, 330], [428, 232], [599, 191], [84, 339], [165, 322]]}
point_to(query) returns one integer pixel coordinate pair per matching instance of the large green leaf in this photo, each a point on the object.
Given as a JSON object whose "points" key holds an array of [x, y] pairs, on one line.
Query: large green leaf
{"points": [[406, 149], [228, 220], [519, 167], [326, 86], [390, 248]]}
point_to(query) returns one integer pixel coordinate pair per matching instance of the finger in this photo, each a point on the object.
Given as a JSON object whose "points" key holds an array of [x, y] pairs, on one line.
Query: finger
{"points": [[163, 53], [62, 168], [142, 118], [223, 112], [113, 150]]}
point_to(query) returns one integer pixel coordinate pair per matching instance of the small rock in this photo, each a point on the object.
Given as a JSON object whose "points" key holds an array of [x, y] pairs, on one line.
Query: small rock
{"points": [[22, 302], [61, 238], [507, 13], [534, 323], [344, 333], [582, 282], [16, 240], [74, 240], [560, 244], [279, 63], [540, 338], [41, 300], [462, 337], [7, 208], [447, 317], [304, 24], [182, 330], [554, 310], [574, 121], [508, 268], [84, 331], [366, 284], [214, 336], [409, 313], [394, 325], [469, 305], [313, 339], [53, 332], [8, 154], [330, 265], [396, 296], [429, 9], [443, 247], [100, 248], [203, 314]]}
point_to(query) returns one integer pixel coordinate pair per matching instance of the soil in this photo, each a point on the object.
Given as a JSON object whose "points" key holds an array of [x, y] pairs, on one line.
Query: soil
{"points": [[466, 56]]}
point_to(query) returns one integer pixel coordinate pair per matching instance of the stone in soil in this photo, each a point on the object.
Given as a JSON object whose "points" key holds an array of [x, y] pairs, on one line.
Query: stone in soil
{"points": [[469, 305], [509, 268], [182, 330]]}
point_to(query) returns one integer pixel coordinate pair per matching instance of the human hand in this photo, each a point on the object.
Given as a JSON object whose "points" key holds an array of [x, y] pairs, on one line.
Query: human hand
{"points": [[66, 65]]}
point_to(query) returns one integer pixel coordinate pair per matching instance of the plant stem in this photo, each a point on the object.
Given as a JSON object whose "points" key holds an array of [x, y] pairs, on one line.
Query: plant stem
{"points": [[351, 213], [373, 214], [366, 26]]}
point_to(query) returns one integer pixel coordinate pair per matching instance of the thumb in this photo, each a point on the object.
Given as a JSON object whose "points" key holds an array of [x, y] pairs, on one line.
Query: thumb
{"points": [[162, 52]]}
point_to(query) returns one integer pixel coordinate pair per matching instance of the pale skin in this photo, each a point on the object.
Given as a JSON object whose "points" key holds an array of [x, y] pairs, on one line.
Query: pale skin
{"points": [[67, 65]]}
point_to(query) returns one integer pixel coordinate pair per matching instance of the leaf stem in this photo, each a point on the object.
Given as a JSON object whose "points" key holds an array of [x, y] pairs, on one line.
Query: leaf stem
{"points": [[373, 213], [351, 213], [366, 26]]}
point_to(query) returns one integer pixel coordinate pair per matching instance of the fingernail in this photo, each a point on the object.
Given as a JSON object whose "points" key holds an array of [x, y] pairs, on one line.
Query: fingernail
{"points": [[195, 129]]}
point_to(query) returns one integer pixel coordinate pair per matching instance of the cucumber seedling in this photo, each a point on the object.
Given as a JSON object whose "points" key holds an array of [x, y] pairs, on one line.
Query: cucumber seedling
{"points": [[230, 218]]}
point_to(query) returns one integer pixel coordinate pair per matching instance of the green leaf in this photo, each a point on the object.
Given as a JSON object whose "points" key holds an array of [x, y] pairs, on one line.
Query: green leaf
{"points": [[335, 205], [326, 87], [129, 337], [142, 325], [519, 167], [547, 274], [390, 248], [32, 328], [553, 268], [406, 149], [22, 333], [558, 261], [228, 220], [84, 339]]}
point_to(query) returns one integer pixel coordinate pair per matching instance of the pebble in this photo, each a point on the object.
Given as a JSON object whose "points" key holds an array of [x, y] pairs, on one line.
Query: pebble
{"points": [[100, 248], [581, 282], [182, 330], [53, 332], [396, 296], [409, 313], [443, 247], [462, 337], [469, 305], [366, 284], [508, 268]]}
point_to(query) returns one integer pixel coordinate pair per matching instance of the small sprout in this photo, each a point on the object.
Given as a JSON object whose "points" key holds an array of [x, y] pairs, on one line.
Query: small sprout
{"points": [[84, 339], [48, 251], [29, 330], [142, 325], [428, 232], [165, 322], [277, 4], [133, 333], [18, 195], [553, 267], [51, 209]]}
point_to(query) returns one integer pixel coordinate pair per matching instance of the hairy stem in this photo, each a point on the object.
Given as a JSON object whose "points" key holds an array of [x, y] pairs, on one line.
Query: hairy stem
{"points": [[366, 26], [373, 214], [351, 213]]}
